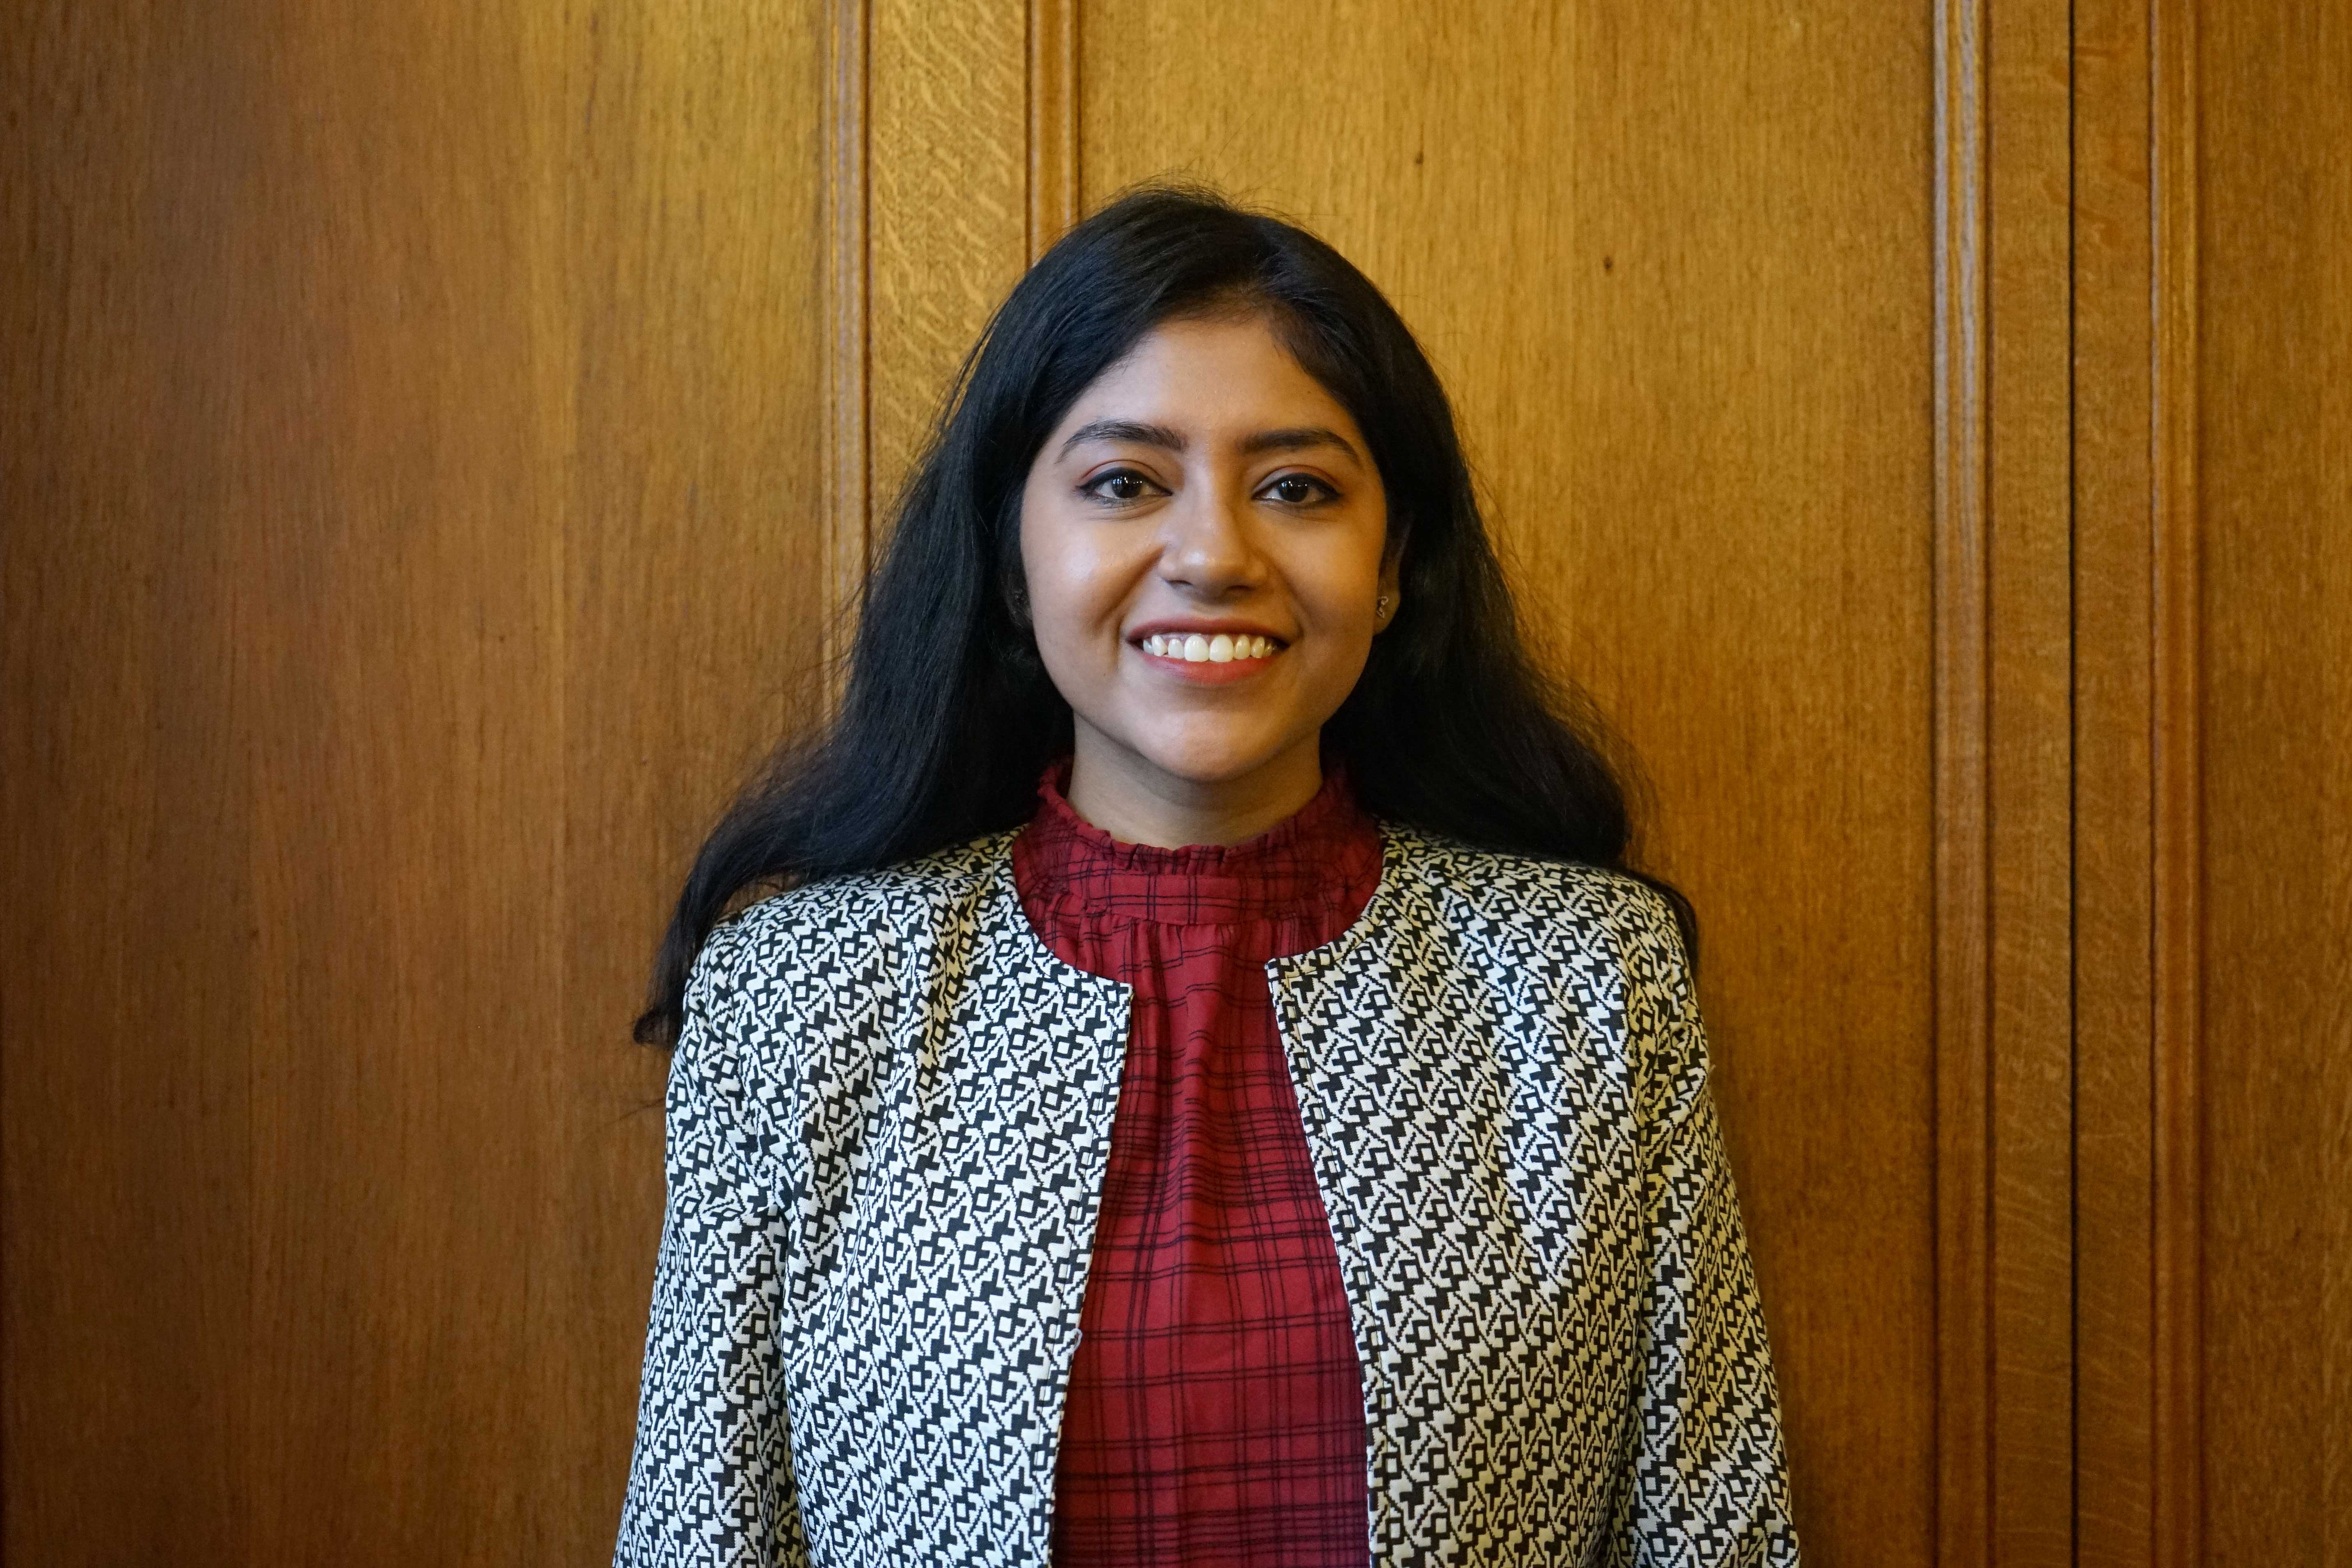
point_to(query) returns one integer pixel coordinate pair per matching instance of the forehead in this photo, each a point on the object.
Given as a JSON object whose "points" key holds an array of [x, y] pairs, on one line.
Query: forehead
{"points": [[1221, 374]]}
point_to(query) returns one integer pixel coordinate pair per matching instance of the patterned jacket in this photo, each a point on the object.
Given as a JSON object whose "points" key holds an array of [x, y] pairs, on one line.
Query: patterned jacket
{"points": [[889, 1116]]}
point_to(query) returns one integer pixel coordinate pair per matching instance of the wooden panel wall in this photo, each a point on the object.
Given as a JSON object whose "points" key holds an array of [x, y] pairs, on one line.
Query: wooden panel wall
{"points": [[2134, 412], [411, 521], [2114, 773], [441, 446], [2213, 578], [2005, 1096], [947, 157], [2275, 476]]}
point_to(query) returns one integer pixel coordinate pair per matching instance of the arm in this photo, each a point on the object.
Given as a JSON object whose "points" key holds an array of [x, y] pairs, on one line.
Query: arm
{"points": [[1709, 1484], [710, 1482]]}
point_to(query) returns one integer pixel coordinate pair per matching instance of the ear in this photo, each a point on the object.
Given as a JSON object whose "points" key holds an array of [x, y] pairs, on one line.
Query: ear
{"points": [[1013, 592], [1392, 573], [1019, 650], [1011, 575]]}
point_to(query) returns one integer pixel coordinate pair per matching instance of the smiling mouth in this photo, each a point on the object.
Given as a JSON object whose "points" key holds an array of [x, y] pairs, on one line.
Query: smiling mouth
{"points": [[1219, 648]]}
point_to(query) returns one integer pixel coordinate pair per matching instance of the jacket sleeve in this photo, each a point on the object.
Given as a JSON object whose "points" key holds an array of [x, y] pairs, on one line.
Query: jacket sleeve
{"points": [[710, 1479], [1710, 1483]]}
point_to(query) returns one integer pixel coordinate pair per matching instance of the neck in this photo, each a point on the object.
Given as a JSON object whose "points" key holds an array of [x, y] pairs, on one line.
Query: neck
{"points": [[1137, 802]]}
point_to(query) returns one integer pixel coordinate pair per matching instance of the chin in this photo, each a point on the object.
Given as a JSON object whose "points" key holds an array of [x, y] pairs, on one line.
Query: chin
{"points": [[1212, 760]]}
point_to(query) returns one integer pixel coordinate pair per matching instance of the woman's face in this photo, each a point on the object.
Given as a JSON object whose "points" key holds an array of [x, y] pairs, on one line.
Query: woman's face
{"points": [[1204, 497]]}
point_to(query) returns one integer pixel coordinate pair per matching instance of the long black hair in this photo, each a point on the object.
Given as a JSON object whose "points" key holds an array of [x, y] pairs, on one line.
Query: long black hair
{"points": [[948, 716]]}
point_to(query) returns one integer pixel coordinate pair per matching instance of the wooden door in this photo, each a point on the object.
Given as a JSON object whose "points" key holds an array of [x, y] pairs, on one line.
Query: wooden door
{"points": [[440, 444]]}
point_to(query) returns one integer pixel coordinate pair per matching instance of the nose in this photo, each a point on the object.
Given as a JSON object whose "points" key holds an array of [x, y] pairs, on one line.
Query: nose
{"points": [[1207, 548]]}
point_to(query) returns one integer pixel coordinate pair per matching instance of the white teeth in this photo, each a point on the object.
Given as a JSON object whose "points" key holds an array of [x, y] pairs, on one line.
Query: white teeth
{"points": [[1220, 648]]}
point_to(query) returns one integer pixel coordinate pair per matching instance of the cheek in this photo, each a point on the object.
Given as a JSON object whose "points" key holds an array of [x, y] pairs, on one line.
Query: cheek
{"points": [[1071, 595], [1338, 591], [1062, 591]]}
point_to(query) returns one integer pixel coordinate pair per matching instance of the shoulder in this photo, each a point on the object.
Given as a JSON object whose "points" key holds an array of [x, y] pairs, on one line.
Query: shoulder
{"points": [[846, 950], [1532, 898], [1587, 935], [1549, 962], [807, 980], [861, 911], [1569, 940]]}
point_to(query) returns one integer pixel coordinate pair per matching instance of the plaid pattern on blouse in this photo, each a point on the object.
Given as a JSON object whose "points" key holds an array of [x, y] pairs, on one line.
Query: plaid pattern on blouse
{"points": [[1216, 1404]]}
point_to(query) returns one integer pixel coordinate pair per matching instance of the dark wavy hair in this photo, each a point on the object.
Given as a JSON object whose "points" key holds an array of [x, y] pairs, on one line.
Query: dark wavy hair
{"points": [[948, 716]]}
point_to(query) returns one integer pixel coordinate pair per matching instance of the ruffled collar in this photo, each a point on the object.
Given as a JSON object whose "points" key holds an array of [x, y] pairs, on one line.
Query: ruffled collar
{"points": [[1314, 863]]}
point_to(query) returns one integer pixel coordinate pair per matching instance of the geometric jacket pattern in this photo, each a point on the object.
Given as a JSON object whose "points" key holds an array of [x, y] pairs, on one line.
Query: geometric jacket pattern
{"points": [[888, 1117]]}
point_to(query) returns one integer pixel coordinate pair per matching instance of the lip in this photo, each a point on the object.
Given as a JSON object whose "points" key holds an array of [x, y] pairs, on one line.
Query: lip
{"points": [[1208, 672]]}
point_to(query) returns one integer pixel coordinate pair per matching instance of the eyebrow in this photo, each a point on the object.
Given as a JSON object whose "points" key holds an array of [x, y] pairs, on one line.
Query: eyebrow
{"points": [[1298, 439], [1294, 439], [1129, 430]]}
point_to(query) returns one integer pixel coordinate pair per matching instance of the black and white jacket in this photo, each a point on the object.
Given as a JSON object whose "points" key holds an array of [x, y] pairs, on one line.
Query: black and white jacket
{"points": [[890, 1115]]}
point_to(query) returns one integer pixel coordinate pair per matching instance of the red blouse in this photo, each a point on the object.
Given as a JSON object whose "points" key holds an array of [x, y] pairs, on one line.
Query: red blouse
{"points": [[1216, 1409]]}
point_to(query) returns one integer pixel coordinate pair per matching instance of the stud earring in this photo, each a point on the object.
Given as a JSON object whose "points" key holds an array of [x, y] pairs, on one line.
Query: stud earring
{"points": [[1381, 608]]}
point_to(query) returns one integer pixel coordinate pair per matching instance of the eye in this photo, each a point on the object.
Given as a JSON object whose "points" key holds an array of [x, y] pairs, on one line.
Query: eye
{"points": [[1298, 490], [1118, 484]]}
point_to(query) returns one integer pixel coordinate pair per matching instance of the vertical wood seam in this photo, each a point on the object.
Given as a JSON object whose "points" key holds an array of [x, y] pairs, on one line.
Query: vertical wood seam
{"points": [[1962, 902], [2177, 944], [848, 522], [2073, 791], [1053, 121]]}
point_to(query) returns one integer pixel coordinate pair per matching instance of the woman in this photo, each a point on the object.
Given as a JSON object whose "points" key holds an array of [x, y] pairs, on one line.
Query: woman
{"points": [[1214, 1091]]}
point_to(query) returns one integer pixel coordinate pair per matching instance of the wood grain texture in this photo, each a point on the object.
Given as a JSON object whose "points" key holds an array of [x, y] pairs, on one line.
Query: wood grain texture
{"points": [[694, 543], [419, 500], [2178, 866], [2116, 515], [1053, 121], [2029, 757], [2002, 745], [2139, 1174], [1677, 277], [1961, 720], [948, 210], [848, 444], [126, 731], [2273, 491]]}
